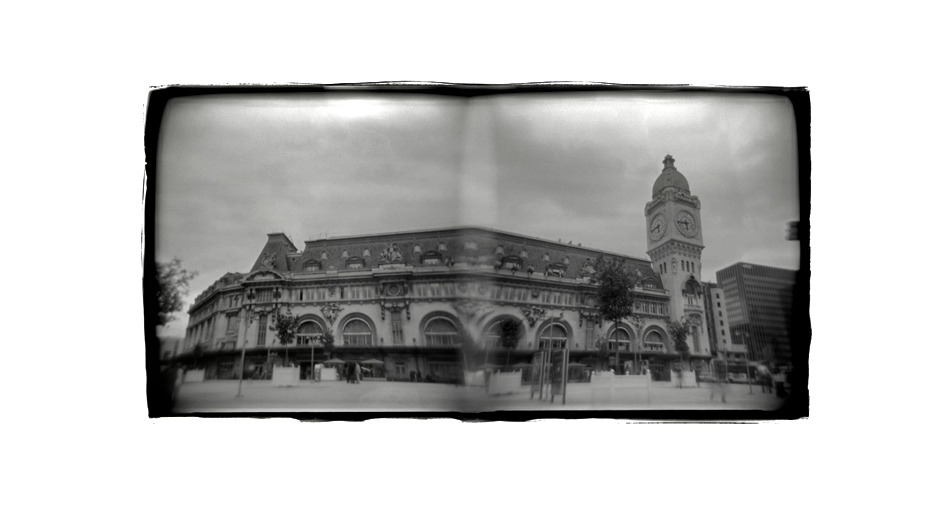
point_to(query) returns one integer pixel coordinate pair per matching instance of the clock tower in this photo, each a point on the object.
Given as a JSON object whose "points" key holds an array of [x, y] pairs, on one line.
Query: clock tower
{"points": [[675, 246]]}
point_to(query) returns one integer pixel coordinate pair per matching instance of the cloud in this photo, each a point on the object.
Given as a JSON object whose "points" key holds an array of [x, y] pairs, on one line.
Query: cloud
{"points": [[577, 167]]}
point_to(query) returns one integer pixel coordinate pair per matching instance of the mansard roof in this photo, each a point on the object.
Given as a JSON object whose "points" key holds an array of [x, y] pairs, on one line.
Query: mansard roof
{"points": [[275, 253], [279, 253]]}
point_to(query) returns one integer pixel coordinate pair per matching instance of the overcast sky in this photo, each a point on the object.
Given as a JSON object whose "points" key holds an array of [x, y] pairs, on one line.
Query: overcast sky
{"points": [[577, 167]]}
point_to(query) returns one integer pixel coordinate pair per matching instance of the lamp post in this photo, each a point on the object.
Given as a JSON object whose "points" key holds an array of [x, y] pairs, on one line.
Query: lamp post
{"points": [[637, 357], [550, 355], [247, 325], [748, 375]]}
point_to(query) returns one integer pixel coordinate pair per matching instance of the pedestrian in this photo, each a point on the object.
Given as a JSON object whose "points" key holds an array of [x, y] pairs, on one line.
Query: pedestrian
{"points": [[679, 378], [766, 380], [319, 372], [719, 380]]}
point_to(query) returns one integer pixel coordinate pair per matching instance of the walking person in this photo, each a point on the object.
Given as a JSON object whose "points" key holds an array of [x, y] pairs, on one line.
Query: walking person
{"points": [[719, 380], [766, 378]]}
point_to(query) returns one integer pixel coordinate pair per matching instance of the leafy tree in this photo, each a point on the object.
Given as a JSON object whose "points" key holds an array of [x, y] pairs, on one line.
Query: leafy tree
{"points": [[327, 339], [285, 325], [510, 336], [614, 292], [603, 352], [678, 331], [172, 286]]}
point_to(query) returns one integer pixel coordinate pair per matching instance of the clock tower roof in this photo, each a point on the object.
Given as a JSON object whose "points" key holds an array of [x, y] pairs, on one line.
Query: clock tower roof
{"points": [[670, 177]]}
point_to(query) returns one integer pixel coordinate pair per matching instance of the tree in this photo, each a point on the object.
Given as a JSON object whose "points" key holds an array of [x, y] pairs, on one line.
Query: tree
{"points": [[327, 339], [285, 325], [510, 336], [172, 286], [678, 331], [614, 293], [602, 351]]}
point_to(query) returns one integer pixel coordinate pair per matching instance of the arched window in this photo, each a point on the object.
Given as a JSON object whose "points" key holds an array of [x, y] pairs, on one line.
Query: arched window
{"points": [[554, 335], [357, 333], [493, 336], [308, 333], [619, 337], [440, 332], [653, 342]]}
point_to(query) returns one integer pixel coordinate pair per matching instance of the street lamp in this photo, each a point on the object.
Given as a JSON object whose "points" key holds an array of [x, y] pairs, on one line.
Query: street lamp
{"points": [[247, 325], [747, 374], [637, 357]]}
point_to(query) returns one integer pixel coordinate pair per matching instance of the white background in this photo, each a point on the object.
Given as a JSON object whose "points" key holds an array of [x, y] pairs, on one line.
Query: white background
{"points": [[78, 437]]}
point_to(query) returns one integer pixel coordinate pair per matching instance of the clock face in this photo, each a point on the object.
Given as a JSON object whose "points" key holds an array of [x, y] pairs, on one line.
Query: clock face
{"points": [[685, 223], [658, 227]]}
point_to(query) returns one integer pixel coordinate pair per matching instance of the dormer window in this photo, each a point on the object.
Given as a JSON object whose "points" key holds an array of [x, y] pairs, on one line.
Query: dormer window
{"points": [[547, 257], [324, 256], [417, 249], [499, 250], [471, 246], [431, 258], [366, 253], [354, 263], [524, 253], [567, 261], [512, 263], [311, 265], [441, 246], [557, 269], [345, 255]]}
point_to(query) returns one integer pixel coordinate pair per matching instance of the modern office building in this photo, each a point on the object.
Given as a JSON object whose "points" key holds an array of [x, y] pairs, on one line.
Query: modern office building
{"points": [[759, 309], [717, 320], [411, 299]]}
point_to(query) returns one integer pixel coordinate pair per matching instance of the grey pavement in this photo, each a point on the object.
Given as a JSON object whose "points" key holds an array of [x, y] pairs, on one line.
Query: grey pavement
{"points": [[339, 396]]}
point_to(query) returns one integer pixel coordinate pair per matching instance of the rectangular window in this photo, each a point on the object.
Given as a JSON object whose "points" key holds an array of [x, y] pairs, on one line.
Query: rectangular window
{"points": [[397, 327], [261, 330], [232, 323]]}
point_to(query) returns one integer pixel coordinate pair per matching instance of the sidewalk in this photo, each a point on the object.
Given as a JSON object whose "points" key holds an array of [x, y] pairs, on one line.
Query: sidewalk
{"points": [[331, 396]]}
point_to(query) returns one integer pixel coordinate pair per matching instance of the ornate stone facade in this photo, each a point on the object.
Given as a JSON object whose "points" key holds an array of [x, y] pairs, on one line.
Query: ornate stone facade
{"points": [[411, 299]]}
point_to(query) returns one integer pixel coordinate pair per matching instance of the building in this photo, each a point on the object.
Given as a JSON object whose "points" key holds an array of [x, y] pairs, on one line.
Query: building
{"points": [[759, 309], [410, 299], [717, 320]]}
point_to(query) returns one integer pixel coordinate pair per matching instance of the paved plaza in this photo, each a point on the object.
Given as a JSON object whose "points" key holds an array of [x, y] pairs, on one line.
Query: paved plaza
{"points": [[333, 396]]}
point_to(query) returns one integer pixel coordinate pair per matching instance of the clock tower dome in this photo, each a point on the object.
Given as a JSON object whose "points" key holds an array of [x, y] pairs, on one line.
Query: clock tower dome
{"points": [[675, 246]]}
